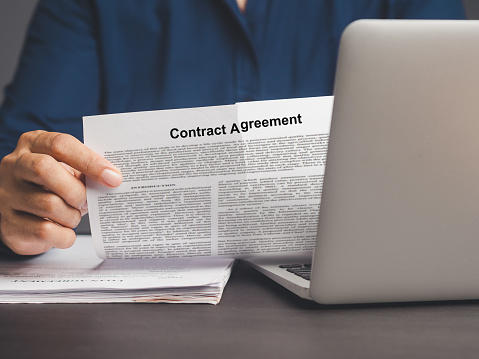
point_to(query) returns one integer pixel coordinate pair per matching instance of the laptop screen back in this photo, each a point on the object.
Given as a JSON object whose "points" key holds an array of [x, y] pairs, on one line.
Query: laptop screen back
{"points": [[399, 214]]}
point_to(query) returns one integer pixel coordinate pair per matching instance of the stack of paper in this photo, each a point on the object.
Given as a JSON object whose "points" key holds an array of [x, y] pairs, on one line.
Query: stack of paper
{"points": [[77, 275]]}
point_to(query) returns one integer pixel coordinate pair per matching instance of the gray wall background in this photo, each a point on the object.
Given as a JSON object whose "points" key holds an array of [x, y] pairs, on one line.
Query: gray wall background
{"points": [[15, 15]]}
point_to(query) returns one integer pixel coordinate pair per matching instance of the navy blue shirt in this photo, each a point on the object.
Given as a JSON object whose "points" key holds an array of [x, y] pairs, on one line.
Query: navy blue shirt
{"points": [[85, 57]]}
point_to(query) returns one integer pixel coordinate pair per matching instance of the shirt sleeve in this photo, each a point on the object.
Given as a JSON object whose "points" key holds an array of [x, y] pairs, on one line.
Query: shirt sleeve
{"points": [[57, 79]]}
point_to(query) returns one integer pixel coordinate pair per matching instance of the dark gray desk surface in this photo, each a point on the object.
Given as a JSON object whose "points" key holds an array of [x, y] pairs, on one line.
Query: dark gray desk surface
{"points": [[255, 319]]}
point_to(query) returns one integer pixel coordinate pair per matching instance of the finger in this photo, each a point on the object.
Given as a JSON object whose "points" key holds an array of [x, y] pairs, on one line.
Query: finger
{"points": [[45, 204], [68, 149], [45, 171], [84, 208], [81, 177], [70, 170], [29, 235]]}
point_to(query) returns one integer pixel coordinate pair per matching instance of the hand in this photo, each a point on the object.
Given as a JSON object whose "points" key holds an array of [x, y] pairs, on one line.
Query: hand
{"points": [[42, 190]]}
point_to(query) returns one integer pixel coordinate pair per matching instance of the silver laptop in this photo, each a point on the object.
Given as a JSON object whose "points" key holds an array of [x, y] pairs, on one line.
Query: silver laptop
{"points": [[399, 214]]}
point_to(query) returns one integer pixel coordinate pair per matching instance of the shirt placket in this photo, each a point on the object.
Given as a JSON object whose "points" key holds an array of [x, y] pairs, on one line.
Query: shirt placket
{"points": [[247, 65]]}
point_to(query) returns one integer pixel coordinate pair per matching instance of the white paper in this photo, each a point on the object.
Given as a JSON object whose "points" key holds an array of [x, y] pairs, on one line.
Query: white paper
{"points": [[78, 275], [224, 181]]}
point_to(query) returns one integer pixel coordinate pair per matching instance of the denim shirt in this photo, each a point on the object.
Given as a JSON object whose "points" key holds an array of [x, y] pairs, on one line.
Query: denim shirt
{"points": [[85, 57]]}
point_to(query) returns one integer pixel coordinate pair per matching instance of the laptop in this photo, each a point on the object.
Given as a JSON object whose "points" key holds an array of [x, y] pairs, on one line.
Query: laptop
{"points": [[399, 217]]}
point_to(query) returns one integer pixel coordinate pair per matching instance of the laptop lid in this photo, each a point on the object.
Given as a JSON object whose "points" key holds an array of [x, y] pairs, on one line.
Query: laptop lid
{"points": [[399, 214]]}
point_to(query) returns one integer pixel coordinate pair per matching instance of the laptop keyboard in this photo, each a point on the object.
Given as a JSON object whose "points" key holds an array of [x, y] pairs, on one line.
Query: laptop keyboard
{"points": [[301, 270]]}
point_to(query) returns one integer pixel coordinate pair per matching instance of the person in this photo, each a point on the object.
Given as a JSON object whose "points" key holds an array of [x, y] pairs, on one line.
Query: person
{"points": [[86, 57]]}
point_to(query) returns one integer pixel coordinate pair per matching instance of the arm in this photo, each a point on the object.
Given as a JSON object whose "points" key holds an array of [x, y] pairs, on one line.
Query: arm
{"points": [[42, 192], [58, 78]]}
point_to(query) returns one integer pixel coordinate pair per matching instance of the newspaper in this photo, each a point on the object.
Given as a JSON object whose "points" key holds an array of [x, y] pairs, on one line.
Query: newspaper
{"points": [[77, 275], [222, 181]]}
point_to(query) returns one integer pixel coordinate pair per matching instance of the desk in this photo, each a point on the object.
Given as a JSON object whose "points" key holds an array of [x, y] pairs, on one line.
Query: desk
{"points": [[255, 319]]}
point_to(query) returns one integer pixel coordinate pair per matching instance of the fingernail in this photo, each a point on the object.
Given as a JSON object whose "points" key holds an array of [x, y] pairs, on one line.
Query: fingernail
{"points": [[84, 206], [111, 177]]}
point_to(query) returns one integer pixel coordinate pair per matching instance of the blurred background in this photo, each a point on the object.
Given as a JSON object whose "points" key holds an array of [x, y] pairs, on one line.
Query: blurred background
{"points": [[15, 15]]}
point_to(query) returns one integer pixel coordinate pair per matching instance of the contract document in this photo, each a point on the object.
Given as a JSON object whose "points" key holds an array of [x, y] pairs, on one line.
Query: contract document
{"points": [[77, 275], [222, 181]]}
